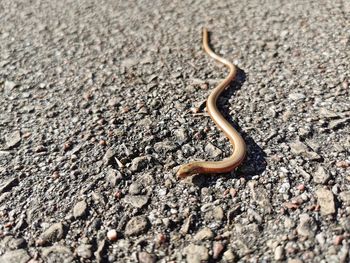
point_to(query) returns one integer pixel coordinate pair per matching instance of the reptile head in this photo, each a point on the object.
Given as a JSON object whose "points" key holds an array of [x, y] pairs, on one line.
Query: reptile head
{"points": [[187, 170]]}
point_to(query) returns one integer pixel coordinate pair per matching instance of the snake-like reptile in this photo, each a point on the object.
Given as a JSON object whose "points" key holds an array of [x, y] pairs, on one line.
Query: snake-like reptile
{"points": [[239, 146]]}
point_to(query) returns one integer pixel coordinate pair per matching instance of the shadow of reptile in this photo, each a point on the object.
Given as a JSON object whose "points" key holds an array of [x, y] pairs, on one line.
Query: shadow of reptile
{"points": [[255, 163]]}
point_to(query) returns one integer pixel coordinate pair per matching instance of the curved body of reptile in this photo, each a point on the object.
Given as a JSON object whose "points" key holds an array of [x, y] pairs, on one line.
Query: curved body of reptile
{"points": [[239, 146]]}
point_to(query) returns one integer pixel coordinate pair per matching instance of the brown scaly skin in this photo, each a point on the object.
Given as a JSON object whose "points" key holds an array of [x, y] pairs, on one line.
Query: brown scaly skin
{"points": [[239, 152]]}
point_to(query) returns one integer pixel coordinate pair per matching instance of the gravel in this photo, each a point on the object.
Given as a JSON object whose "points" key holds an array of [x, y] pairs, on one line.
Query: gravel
{"points": [[101, 101]]}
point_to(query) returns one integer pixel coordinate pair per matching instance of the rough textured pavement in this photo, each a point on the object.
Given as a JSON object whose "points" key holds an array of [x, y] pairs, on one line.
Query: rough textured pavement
{"points": [[101, 101]]}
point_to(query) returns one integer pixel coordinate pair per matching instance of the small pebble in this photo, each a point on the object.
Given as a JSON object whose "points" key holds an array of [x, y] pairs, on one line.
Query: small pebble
{"points": [[343, 164], [279, 253], [55, 175], [301, 187], [80, 209], [218, 248], [338, 240], [112, 235]]}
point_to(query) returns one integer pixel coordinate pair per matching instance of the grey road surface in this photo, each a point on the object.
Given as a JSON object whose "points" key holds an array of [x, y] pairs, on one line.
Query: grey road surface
{"points": [[102, 101]]}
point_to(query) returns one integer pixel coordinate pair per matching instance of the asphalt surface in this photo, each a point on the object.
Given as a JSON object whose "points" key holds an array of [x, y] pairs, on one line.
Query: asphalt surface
{"points": [[102, 101]]}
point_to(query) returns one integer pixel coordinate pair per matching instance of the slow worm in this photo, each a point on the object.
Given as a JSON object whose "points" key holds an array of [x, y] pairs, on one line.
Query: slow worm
{"points": [[239, 146]]}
